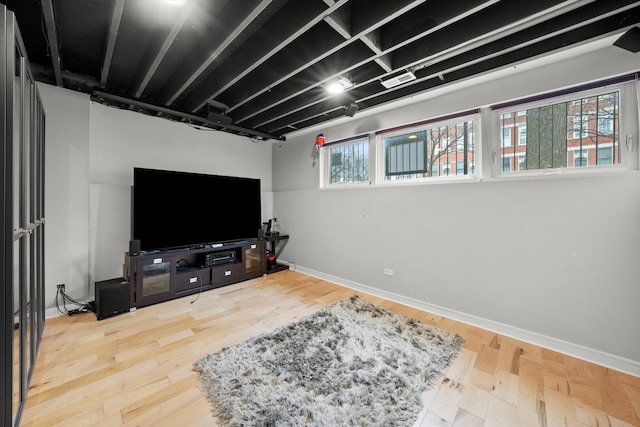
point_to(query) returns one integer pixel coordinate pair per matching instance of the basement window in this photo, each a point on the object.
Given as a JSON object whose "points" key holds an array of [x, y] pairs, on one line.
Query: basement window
{"points": [[428, 151], [574, 131], [347, 162]]}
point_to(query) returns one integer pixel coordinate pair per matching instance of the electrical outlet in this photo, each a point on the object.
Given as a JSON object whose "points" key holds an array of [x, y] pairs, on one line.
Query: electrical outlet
{"points": [[388, 272], [61, 287]]}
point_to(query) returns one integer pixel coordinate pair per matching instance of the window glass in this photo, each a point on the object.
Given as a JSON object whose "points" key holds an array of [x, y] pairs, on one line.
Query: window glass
{"points": [[522, 162], [431, 151], [349, 162], [605, 155], [506, 136], [522, 135], [576, 133], [506, 164]]}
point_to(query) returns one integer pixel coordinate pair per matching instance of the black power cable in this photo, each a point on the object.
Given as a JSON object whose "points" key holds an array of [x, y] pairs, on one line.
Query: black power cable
{"points": [[62, 299]]}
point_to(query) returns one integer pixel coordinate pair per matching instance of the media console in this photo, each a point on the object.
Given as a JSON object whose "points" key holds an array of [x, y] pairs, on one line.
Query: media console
{"points": [[164, 275]]}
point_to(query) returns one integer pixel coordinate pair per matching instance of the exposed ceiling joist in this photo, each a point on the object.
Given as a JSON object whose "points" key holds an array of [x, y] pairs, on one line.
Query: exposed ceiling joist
{"points": [[197, 119], [114, 24], [270, 54], [385, 57], [469, 43], [315, 60], [262, 66], [52, 37], [201, 69], [154, 56]]}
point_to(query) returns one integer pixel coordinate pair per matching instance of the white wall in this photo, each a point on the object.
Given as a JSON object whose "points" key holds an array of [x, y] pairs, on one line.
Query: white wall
{"points": [[551, 260], [66, 191], [554, 260], [91, 151], [121, 140]]}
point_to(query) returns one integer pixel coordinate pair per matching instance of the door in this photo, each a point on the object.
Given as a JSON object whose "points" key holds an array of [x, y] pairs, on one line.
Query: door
{"points": [[22, 235]]}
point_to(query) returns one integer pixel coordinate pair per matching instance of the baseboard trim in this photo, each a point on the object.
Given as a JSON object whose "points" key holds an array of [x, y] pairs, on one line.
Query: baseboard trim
{"points": [[51, 312], [598, 357]]}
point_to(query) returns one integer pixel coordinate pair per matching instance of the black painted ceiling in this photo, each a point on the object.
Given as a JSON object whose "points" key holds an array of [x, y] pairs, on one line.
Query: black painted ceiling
{"points": [[264, 64]]}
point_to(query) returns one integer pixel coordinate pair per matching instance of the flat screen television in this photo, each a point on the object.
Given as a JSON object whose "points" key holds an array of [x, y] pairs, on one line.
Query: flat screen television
{"points": [[180, 209]]}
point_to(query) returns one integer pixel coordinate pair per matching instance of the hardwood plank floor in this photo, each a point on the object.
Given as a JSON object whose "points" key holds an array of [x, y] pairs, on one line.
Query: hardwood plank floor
{"points": [[135, 369]]}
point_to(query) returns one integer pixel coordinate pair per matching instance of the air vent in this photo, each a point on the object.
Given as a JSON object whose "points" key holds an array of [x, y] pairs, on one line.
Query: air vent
{"points": [[398, 80]]}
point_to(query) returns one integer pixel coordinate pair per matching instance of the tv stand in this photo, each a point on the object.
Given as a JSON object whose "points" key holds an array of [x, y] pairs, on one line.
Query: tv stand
{"points": [[160, 276]]}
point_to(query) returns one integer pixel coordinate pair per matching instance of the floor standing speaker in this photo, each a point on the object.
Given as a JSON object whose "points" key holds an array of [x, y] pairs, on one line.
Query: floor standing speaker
{"points": [[112, 298]]}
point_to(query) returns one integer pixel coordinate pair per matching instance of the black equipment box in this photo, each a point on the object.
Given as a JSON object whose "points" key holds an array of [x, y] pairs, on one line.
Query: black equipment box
{"points": [[112, 298], [217, 258]]}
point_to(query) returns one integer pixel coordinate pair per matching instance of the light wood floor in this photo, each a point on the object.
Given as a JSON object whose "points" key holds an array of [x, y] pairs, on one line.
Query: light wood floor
{"points": [[135, 369]]}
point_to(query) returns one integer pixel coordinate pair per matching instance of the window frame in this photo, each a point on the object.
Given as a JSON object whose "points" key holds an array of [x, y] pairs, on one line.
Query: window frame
{"points": [[486, 139], [325, 161], [520, 131], [627, 135], [475, 140]]}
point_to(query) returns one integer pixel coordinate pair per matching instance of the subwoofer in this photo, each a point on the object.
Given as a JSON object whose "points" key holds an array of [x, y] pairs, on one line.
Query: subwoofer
{"points": [[112, 298]]}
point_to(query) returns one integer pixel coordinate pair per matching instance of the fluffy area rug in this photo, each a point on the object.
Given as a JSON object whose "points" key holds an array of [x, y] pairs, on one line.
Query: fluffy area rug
{"points": [[353, 363]]}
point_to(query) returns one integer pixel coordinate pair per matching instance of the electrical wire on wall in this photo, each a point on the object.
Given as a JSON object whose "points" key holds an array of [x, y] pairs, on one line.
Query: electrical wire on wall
{"points": [[62, 299]]}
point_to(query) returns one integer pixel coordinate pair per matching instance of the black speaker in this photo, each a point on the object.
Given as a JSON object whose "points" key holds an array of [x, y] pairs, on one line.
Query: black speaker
{"points": [[112, 298], [630, 40], [134, 247], [219, 119], [351, 109]]}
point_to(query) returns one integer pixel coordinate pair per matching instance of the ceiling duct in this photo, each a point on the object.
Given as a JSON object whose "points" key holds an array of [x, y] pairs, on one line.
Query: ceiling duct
{"points": [[398, 80]]}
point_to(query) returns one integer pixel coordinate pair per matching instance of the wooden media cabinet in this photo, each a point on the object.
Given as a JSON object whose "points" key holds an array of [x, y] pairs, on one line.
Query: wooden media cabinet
{"points": [[158, 276]]}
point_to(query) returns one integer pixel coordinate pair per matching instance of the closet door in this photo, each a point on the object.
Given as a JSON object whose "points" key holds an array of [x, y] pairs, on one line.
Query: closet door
{"points": [[21, 227], [14, 333], [22, 232], [37, 212]]}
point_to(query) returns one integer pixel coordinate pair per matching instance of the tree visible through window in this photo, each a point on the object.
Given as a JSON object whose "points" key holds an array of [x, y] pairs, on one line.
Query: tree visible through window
{"points": [[430, 152], [562, 134]]}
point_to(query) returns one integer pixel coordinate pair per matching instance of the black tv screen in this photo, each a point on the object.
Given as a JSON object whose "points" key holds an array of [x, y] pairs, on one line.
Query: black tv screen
{"points": [[180, 209]]}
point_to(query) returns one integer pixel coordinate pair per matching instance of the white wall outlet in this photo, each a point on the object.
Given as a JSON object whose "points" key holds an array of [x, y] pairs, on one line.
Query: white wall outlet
{"points": [[388, 272]]}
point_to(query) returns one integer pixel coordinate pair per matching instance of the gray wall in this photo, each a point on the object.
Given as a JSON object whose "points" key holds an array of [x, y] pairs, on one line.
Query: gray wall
{"points": [[91, 151], [66, 192], [551, 259]]}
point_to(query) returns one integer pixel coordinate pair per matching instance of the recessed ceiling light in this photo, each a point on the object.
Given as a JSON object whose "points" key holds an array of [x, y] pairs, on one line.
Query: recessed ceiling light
{"points": [[339, 86], [176, 2]]}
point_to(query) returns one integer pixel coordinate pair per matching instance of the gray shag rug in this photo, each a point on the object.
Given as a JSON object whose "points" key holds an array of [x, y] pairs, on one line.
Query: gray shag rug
{"points": [[352, 363]]}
